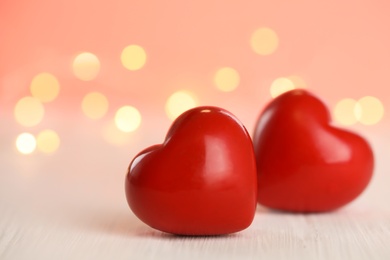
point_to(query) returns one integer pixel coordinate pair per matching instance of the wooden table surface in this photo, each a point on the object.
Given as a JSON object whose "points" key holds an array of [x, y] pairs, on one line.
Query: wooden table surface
{"points": [[71, 205]]}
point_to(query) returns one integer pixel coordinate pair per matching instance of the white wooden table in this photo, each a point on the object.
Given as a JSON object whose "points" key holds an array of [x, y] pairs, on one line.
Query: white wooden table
{"points": [[71, 205]]}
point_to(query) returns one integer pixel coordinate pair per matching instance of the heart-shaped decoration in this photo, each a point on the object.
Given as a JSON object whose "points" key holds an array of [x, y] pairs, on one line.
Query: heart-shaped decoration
{"points": [[304, 164], [201, 181]]}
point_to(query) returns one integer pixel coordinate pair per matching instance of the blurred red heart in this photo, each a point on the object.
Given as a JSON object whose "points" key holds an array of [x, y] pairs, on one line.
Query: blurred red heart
{"points": [[201, 181], [305, 164]]}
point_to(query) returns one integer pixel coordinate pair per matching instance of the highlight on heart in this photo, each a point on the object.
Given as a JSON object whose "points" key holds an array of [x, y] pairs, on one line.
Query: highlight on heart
{"points": [[305, 163], [200, 181], [189, 184]]}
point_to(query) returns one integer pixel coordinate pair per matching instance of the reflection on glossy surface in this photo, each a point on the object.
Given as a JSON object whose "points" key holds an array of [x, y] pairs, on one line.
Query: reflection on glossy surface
{"points": [[200, 181], [304, 164], [326, 143], [215, 164]]}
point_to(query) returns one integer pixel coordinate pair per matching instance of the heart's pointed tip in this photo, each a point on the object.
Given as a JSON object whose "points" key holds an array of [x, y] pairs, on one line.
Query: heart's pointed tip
{"points": [[200, 235], [205, 232], [299, 210]]}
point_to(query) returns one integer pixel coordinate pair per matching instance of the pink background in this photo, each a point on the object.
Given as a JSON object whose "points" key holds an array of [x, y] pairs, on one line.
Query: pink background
{"points": [[339, 48]]}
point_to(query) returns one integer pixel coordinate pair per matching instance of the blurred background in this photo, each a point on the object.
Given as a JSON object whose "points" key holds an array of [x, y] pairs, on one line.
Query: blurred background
{"points": [[85, 85]]}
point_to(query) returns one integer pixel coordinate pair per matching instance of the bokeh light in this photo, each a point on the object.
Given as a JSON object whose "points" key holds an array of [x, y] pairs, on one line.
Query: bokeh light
{"points": [[344, 111], [86, 66], [94, 105], [227, 79], [113, 135], [297, 81], [29, 111], [264, 41], [280, 86], [45, 87], [133, 57], [371, 110], [178, 103], [48, 141], [127, 119], [26, 143]]}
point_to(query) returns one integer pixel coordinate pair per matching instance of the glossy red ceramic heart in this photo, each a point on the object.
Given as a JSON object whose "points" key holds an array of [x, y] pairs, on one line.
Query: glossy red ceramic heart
{"points": [[201, 181], [305, 164]]}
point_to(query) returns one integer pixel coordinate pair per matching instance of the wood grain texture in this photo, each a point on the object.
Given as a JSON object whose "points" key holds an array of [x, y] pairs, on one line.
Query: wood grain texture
{"points": [[348, 234], [78, 211]]}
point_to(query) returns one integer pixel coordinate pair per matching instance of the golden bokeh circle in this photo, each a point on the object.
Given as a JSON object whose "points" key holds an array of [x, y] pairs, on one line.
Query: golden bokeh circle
{"points": [[371, 110], [29, 111], [345, 111], [128, 119], [95, 105], [280, 86], [48, 141], [264, 41], [86, 66], [26, 143], [226, 79], [133, 57], [45, 87], [178, 103]]}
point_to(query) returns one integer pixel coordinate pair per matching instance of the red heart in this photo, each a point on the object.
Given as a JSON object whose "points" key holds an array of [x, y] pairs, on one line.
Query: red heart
{"points": [[304, 164], [201, 181]]}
